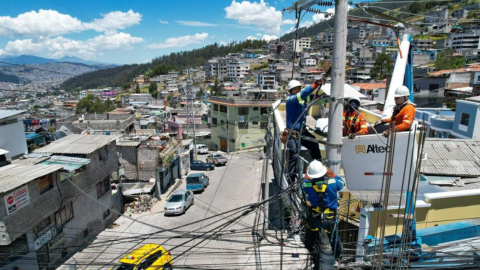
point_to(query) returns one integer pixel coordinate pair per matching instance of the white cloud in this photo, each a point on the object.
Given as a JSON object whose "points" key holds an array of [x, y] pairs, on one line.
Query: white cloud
{"points": [[60, 46], [251, 38], [258, 34], [195, 23], [115, 20], [179, 41], [264, 17], [306, 24], [1, 52], [48, 23], [268, 37], [163, 22], [288, 21], [223, 43]]}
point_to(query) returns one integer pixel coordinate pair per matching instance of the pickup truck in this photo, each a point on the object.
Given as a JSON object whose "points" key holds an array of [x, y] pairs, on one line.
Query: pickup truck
{"points": [[197, 182], [217, 159]]}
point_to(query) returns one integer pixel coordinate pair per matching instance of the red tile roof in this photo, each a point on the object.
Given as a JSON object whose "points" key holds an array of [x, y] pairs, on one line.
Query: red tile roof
{"points": [[370, 86]]}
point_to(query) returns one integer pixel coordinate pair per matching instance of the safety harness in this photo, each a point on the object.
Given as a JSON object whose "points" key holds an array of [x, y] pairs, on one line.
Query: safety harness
{"points": [[352, 124]]}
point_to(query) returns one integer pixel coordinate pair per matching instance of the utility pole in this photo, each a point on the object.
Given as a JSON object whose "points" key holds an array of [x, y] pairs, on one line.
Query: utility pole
{"points": [[190, 113], [334, 138]]}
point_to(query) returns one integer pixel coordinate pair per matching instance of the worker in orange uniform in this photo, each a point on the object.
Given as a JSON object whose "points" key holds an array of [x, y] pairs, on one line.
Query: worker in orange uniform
{"points": [[354, 122], [403, 112]]}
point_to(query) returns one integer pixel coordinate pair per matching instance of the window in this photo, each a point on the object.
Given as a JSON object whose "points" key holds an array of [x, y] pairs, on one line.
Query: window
{"points": [[45, 184], [103, 187], [255, 123], [433, 87], [223, 108], [243, 110], [255, 108], [65, 215], [464, 119], [215, 107], [214, 121], [42, 225], [263, 125], [242, 125], [264, 110]]}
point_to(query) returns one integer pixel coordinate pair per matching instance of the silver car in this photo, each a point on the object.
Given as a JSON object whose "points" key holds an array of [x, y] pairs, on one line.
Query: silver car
{"points": [[179, 202]]}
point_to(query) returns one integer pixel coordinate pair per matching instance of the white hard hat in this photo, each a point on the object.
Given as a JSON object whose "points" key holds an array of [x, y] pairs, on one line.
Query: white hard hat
{"points": [[402, 91], [316, 169], [293, 83], [357, 100]]}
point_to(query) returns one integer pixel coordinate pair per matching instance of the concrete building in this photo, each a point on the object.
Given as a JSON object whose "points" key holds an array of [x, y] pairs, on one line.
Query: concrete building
{"points": [[460, 13], [422, 44], [265, 80], [306, 62], [355, 34], [12, 133], [300, 45], [475, 83], [465, 41], [215, 68], [436, 17], [237, 70], [240, 123], [60, 204]]}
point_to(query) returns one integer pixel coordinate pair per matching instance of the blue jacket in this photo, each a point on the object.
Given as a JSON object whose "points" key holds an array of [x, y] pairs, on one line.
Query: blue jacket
{"points": [[313, 188], [296, 104]]}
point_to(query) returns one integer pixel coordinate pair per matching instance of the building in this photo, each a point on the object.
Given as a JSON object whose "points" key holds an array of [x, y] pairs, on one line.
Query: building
{"points": [[460, 13], [422, 44], [215, 68], [300, 45], [12, 133], [237, 70], [306, 62], [240, 122], [475, 83], [436, 17], [65, 191], [355, 33], [265, 80], [465, 41], [373, 91]]}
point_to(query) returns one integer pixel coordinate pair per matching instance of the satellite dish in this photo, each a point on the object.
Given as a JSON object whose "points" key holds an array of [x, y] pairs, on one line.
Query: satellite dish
{"points": [[60, 134]]}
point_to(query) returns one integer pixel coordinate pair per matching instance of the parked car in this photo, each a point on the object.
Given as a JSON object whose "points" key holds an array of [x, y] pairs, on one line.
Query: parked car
{"points": [[197, 182], [150, 256], [179, 202], [202, 166], [202, 149], [217, 159]]}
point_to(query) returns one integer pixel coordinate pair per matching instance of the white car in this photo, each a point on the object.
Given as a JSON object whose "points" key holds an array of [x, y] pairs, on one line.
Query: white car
{"points": [[179, 202], [202, 149]]}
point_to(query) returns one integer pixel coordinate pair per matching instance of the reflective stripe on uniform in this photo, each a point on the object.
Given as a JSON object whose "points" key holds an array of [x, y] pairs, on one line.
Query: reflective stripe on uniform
{"points": [[299, 98], [331, 181], [307, 184], [363, 126]]}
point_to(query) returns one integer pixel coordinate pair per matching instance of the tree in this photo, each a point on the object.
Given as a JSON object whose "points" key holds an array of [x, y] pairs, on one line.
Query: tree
{"points": [[152, 87], [382, 68], [137, 89], [445, 60], [126, 86], [216, 89], [92, 104], [200, 93]]}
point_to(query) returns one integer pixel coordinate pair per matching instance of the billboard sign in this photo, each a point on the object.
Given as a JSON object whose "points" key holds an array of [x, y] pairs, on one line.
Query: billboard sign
{"points": [[17, 199]]}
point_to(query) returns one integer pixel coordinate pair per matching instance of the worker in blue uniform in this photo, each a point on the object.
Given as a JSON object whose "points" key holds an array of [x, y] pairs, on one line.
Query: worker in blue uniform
{"points": [[321, 187], [295, 106]]}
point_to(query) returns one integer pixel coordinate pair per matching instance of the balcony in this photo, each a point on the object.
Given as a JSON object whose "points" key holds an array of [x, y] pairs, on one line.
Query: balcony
{"points": [[250, 100]]}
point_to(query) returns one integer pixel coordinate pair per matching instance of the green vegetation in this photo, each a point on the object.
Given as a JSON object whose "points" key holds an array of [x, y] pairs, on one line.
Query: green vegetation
{"points": [[382, 68], [92, 104], [9, 78], [216, 89], [445, 60], [432, 37], [120, 76]]}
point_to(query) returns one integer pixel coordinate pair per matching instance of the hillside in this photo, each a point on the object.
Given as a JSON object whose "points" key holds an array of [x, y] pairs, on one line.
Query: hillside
{"points": [[118, 76], [9, 78]]}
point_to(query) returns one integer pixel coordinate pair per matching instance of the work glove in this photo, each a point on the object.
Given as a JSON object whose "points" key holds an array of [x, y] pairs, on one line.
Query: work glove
{"points": [[379, 122], [385, 133], [318, 83], [351, 136]]}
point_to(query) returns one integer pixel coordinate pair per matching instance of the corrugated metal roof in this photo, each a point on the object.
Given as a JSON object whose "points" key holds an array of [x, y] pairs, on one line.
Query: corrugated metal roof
{"points": [[128, 143], [77, 144], [452, 157], [14, 175], [8, 113]]}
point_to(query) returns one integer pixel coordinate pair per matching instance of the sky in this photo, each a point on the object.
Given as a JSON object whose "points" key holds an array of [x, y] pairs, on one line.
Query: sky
{"points": [[127, 32]]}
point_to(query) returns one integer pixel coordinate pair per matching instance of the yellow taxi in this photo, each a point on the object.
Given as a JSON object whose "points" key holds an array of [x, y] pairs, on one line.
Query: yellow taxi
{"points": [[147, 257]]}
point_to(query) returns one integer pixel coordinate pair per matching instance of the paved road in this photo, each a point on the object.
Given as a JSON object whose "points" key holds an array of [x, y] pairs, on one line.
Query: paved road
{"points": [[231, 186]]}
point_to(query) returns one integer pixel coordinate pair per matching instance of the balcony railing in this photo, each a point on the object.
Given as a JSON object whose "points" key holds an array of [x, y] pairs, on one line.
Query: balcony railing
{"points": [[238, 100]]}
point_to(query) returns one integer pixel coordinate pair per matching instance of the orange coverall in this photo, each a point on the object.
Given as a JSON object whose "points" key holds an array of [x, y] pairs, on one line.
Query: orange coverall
{"points": [[404, 119], [360, 124]]}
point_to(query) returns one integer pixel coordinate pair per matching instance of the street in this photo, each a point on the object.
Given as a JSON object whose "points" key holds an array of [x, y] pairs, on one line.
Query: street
{"points": [[231, 186]]}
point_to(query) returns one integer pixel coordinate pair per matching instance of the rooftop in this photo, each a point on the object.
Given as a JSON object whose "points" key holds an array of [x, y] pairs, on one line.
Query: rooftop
{"points": [[370, 86], [451, 157], [8, 113], [15, 175], [77, 144]]}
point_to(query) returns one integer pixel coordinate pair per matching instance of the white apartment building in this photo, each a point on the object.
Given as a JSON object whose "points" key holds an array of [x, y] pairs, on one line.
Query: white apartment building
{"points": [[301, 44], [308, 62], [173, 74], [460, 13], [265, 81], [465, 41], [436, 17], [422, 44], [215, 68], [355, 34], [237, 70]]}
